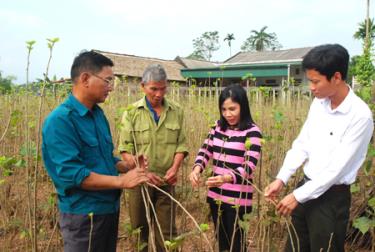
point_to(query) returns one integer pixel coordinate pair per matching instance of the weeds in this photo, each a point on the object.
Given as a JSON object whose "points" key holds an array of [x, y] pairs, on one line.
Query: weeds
{"points": [[25, 188]]}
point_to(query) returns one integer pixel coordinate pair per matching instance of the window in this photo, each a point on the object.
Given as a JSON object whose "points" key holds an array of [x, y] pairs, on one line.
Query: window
{"points": [[270, 81]]}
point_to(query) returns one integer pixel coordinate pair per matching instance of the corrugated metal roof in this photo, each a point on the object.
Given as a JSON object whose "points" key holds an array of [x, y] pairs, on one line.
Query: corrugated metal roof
{"points": [[237, 73], [191, 63], [131, 65], [288, 55]]}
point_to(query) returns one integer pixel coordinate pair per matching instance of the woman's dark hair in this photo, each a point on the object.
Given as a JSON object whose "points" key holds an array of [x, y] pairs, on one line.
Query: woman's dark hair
{"points": [[237, 94]]}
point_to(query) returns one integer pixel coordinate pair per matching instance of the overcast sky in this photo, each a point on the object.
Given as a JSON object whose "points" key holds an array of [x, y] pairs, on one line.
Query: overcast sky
{"points": [[163, 28]]}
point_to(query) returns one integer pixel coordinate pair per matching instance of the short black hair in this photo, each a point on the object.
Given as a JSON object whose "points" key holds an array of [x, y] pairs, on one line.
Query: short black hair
{"points": [[237, 94], [327, 60], [88, 61]]}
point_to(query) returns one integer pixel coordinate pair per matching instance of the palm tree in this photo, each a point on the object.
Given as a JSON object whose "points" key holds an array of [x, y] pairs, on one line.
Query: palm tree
{"points": [[360, 34], [229, 38], [367, 24], [260, 41]]}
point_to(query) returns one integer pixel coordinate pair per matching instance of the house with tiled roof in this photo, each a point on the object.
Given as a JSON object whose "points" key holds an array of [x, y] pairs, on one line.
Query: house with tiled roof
{"points": [[267, 68]]}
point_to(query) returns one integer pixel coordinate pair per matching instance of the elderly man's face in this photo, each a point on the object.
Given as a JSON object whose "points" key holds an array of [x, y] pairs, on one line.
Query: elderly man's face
{"points": [[155, 92]]}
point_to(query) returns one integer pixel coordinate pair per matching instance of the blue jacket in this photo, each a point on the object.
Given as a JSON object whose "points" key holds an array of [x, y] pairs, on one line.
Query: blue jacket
{"points": [[77, 141]]}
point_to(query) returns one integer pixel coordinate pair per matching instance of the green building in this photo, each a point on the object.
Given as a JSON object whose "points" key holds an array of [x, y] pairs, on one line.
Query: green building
{"points": [[267, 68]]}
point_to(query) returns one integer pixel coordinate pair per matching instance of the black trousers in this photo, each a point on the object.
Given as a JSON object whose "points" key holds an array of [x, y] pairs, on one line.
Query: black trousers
{"points": [[75, 230], [224, 218], [321, 223]]}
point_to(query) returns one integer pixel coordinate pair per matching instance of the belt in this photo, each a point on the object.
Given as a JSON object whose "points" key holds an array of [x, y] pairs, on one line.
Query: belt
{"points": [[334, 188]]}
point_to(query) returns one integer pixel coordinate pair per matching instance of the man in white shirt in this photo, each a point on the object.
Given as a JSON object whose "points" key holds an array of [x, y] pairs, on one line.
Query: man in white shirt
{"points": [[331, 146]]}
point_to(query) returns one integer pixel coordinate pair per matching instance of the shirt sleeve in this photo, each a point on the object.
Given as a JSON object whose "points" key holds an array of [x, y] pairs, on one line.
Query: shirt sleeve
{"points": [[126, 137], [206, 151], [297, 155], [116, 160], [252, 154], [355, 141], [61, 142], [181, 141]]}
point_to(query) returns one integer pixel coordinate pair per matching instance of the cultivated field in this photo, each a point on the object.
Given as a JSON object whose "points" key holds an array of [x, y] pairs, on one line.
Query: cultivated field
{"points": [[28, 212]]}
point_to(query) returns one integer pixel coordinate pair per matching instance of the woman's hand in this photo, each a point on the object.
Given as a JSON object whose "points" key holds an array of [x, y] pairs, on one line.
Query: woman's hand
{"points": [[217, 181], [195, 175]]}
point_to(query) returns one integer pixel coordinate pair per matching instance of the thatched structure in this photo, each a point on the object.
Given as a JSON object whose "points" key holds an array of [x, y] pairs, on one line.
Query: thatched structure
{"points": [[133, 66]]}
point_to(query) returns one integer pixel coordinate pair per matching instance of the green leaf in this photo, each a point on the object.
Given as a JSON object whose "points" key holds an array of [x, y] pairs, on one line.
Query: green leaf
{"points": [[136, 231], [247, 143], [367, 166], [371, 151], [51, 199], [142, 246], [24, 151], [15, 118], [371, 202], [244, 225], [235, 206], [362, 223], [20, 163], [204, 227], [246, 217], [354, 188], [23, 234], [218, 202]]}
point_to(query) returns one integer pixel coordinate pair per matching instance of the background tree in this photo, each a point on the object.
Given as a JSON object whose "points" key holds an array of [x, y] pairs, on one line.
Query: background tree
{"points": [[360, 34], [364, 70], [261, 41], [197, 54], [351, 69], [205, 45], [229, 38], [6, 83]]}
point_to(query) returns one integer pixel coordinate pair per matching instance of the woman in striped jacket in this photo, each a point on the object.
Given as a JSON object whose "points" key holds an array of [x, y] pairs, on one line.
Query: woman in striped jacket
{"points": [[234, 145]]}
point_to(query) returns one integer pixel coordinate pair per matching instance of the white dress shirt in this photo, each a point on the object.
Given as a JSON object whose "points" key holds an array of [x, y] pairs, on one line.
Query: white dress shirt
{"points": [[332, 145]]}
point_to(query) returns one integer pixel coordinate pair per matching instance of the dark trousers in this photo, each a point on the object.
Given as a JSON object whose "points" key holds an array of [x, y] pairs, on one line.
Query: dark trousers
{"points": [[77, 230], [226, 219], [165, 211], [321, 223]]}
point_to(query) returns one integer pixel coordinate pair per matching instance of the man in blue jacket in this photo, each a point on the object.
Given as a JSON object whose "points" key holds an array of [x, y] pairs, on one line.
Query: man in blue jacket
{"points": [[78, 155]]}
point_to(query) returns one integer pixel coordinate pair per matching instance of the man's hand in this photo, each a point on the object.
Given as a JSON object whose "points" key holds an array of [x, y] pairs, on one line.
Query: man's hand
{"points": [[217, 181], [133, 178], [273, 190], [129, 160], [287, 205], [124, 166], [143, 162], [194, 176], [154, 179], [171, 176]]}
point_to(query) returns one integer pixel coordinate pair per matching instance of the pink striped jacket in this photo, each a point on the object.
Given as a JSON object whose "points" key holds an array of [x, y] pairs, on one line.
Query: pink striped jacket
{"points": [[234, 152]]}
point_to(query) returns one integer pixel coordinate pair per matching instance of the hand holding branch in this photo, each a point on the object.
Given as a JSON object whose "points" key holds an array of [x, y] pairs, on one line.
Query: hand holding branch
{"points": [[217, 181], [194, 176]]}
